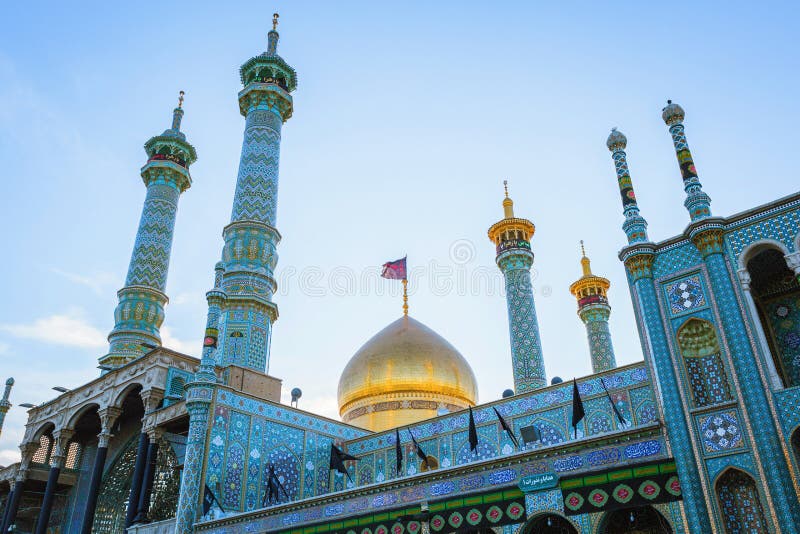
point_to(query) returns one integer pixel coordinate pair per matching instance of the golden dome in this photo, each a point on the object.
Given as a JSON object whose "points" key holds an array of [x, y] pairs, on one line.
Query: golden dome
{"points": [[405, 373]]}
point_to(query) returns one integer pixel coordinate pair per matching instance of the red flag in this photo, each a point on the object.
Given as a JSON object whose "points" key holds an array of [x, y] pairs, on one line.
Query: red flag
{"points": [[394, 270]]}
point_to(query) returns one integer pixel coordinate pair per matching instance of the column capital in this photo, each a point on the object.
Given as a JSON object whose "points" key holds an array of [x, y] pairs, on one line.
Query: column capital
{"points": [[744, 278], [151, 398], [793, 261], [61, 440], [154, 433]]}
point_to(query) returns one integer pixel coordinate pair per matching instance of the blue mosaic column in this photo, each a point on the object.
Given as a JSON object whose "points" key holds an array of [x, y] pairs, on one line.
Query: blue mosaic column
{"points": [[512, 237], [5, 405], [697, 202], [198, 405], [635, 226], [140, 311], [708, 237], [201, 391], [249, 254], [638, 258]]}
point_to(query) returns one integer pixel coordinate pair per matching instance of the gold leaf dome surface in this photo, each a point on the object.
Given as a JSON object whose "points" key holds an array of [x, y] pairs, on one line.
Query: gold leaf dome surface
{"points": [[405, 373]]}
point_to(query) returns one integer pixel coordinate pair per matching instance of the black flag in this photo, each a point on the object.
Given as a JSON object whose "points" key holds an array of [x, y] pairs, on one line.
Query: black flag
{"points": [[398, 452], [274, 487], [473, 432], [506, 428], [420, 452], [621, 419], [577, 407], [338, 457], [208, 499]]}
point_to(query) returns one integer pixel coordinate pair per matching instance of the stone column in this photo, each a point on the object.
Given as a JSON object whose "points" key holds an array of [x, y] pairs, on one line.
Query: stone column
{"points": [[7, 507], [28, 450], [147, 478], [61, 438], [774, 377], [136, 481], [107, 418]]}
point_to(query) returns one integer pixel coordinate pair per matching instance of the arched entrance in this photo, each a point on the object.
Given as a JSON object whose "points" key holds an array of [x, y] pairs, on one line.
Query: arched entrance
{"points": [[549, 524], [112, 502], [776, 293], [636, 520]]}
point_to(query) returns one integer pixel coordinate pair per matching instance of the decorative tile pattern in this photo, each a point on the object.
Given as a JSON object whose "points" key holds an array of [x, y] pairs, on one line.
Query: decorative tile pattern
{"points": [[526, 348], [686, 294], [720, 431]]}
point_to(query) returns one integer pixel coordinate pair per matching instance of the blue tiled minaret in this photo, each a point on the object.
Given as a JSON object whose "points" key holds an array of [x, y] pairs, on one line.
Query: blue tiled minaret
{"points": [[591, 291], [140, 312], [697, 201], [4, 402], [249, 255], [512, 239]]}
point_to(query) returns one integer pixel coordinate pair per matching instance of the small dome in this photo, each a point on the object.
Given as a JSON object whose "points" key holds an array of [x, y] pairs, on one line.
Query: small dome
{"points": [[556, 380], [508, 393], [405, 373], [672, 113], [10, 381], [616, 139]]}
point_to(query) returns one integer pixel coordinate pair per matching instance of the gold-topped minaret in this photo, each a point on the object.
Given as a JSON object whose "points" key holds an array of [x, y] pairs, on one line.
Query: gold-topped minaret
{"points": [[591, 292], [512, 239]]}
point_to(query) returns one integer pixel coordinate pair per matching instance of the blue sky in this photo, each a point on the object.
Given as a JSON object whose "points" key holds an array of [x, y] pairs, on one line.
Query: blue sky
{"points": [[408, 116]]}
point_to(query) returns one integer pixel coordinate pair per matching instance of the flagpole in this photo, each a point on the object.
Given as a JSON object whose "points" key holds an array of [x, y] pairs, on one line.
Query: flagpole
{"points": [[405, 296]]}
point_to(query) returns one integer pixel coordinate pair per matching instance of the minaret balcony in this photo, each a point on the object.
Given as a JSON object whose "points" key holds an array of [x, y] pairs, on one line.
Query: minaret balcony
{"points": [[511, 244]]}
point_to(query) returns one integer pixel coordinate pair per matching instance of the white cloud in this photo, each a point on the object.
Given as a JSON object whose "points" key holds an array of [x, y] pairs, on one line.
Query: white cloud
{"points": [[9, 456], [70, 329], [169, 341], [98, 282]]}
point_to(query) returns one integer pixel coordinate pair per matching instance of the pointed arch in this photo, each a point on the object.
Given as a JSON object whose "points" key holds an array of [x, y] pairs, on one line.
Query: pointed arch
{"points": [[740, 502], [115, 488], [634, 520], [702, 358], [775, 290], [287, 469], [549, 523]]}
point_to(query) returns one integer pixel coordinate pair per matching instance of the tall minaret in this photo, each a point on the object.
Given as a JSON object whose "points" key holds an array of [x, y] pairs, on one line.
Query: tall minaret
{"points": [[140, 312], [4, 403], [697, 202], [593, 309], [249, 255], [512, 239]]}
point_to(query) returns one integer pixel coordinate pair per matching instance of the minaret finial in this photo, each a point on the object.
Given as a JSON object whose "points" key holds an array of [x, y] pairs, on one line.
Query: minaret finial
{"points": [[583, 250], [505, 186], [585, 264], [272, 37], [177, 113], [275, 22]]}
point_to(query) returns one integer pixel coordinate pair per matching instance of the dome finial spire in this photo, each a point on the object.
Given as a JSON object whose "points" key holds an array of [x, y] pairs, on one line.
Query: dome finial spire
{"points": [[585, 263], [272, 37], [508, 204], [177, 113]]}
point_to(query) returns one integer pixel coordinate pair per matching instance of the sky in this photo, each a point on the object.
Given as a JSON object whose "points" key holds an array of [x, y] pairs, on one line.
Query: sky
{"points": [[408, 117]]}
